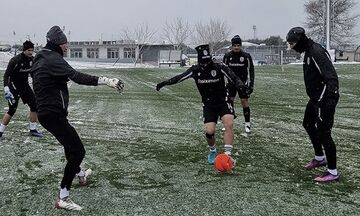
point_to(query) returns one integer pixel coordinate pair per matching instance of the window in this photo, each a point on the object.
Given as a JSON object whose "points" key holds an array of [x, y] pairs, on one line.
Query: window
{"points": [[113, 53], [129, 52], [92, 52], [75, 53]]}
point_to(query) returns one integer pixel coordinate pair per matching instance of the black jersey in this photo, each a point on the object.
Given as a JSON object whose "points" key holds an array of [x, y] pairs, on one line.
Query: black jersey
{"points": [[211, 81], [50, 74], [320, 75], [17, 72], [242, 65]]}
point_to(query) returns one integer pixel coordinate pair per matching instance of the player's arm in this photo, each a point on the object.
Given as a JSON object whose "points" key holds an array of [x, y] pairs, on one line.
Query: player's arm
{"points": [[86, 79], [176, 79], [65, 71], [231, 76], [9, 70], [226, 59], [324, 64], [252, 74]]}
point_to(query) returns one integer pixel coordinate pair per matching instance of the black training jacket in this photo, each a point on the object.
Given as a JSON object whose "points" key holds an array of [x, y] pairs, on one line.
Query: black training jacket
{"points": [[320, 76], [242, 65], [211, 81], [50, 74], [17, 72]]}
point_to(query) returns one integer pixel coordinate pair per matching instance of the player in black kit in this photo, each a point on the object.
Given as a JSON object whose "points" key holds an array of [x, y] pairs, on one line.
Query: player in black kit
{"points": [[241, 63], [16, 86], [322, 87], [50, 74], [211, 79]]}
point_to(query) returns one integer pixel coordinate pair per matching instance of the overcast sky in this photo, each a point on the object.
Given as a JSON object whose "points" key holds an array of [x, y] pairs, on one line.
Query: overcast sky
{"points": [[91, 19]]}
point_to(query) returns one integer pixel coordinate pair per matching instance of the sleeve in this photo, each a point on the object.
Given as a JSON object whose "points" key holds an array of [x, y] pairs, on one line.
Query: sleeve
{"points": [[226, 59], [324, 64], [62, 69], [230, 75], [252, 71], [10, 68], [179, 78], [84, 79]]}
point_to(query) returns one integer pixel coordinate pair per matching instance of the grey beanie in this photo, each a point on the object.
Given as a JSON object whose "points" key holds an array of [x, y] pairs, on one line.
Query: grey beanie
{"points": [[56, 35]]}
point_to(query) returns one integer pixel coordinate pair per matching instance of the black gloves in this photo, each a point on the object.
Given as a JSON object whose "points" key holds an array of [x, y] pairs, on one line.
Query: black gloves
{"points": [[160, 85]]}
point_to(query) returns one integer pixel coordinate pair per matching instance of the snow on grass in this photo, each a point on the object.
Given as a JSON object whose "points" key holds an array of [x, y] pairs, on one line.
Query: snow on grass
{"points": [[148, 152]]}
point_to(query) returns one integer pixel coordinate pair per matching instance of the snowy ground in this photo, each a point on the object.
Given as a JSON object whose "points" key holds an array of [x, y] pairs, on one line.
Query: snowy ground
{"points": [[148, 152]]}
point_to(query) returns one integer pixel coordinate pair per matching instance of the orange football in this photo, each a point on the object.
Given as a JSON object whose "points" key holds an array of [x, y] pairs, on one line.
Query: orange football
{"points": [[223, 163]]}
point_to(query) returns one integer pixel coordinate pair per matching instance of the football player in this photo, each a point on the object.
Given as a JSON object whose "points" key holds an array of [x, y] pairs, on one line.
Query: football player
{"points": [[210, 79], [50, 76], [241, 63], [16, 86], [322, 87]]}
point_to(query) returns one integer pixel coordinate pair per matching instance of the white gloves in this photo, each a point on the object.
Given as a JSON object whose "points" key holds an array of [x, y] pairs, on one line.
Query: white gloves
{"points": [[8, 95], [113, 83]]}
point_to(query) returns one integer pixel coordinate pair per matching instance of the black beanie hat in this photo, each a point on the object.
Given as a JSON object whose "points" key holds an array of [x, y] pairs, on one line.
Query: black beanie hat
{"points": [[56, 36], [203, 53], [236, 40], [28, 45], [295, 34]]}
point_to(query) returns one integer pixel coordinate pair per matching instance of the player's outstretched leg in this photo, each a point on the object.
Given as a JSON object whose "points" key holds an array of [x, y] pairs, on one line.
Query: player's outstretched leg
{"points": [[210, 138]]}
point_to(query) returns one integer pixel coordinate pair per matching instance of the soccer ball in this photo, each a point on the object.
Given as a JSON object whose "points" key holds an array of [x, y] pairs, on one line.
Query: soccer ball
{"points": [[224, 163]]}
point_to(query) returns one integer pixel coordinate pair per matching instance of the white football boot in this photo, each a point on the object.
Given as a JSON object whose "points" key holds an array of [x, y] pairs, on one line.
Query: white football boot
{"points": [[67, 203]]}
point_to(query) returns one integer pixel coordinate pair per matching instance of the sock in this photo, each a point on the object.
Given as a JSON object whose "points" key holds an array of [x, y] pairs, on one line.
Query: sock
{"points": [[2, 127], [228, 148], [33, 125], [213, 148], [333, 171], [319, 158], [64, 193], [246, 111]]}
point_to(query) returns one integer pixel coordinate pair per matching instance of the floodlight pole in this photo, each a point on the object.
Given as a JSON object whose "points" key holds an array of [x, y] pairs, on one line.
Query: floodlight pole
{"points": [[327, 24]]}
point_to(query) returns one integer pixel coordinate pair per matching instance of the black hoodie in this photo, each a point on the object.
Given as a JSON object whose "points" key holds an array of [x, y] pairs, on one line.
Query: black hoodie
{"points": [[50, 74], [321, 80], [17, 72]]}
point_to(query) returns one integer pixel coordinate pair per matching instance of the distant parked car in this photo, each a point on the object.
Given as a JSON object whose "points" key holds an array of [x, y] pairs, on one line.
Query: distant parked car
{"points": [[5, 48], [262, 62]]}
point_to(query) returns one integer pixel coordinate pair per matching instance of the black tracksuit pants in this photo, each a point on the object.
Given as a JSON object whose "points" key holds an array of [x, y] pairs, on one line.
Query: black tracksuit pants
{"points": [[66, 134], [318, 122]]}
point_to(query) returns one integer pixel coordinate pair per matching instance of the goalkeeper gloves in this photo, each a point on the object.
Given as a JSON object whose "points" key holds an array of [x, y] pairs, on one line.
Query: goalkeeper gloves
{"points": [[8, 95], [112, 82]]}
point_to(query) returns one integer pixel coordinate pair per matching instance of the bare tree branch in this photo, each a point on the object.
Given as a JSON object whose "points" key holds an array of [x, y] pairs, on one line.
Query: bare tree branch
{"points": [[341, 19], [138, 36], [213, 33], [177, 31]]}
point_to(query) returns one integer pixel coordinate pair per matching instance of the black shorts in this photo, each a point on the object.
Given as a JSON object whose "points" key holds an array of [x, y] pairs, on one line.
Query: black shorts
{"points": [[27, 96], [232, 92], [212, 113]]}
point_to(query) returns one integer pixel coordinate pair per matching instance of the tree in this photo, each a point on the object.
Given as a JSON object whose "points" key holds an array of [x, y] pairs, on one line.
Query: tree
{"points": [[274, 40], [177, 31], [342, 21], [137, 37], [214, 33]]}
